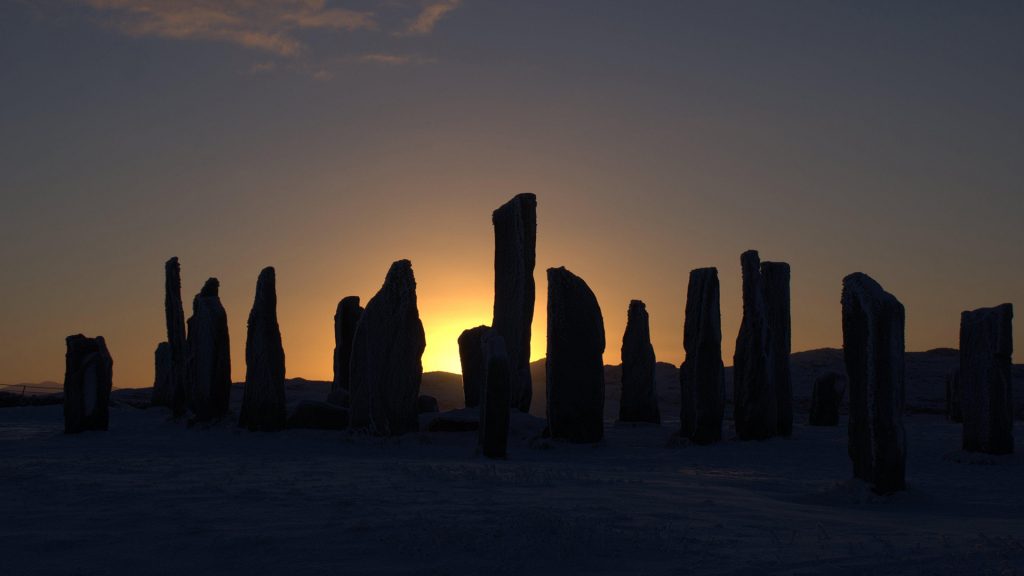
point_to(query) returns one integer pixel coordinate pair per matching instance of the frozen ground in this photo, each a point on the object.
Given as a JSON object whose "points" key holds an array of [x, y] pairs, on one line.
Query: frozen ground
{"points": [[153, 496]]}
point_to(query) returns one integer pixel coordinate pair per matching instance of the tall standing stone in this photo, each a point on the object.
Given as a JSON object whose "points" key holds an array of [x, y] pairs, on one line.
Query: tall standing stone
{"points": [[263, 400], [471, 356], [639, 400], [702, 374], [953, 396], [873, 350], [515, 247], [826, 397], [755, 407], [345, 320], [387, 352], [986, 384], [173, 392], [575, 366], [775, 280], [209, 354], [88, 378], [495, 396]]}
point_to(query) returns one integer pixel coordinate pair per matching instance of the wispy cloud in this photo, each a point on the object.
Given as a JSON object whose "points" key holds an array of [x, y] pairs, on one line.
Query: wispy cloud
{"points": [[393, 59], [429, 16]]}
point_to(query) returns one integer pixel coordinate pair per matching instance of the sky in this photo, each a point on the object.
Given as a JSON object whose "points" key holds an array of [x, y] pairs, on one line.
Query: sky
{"points": [[328, 139]]}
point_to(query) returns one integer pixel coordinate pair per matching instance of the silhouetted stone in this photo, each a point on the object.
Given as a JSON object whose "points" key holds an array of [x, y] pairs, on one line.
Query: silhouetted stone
{"points": [[775, 282], [826, 398], [515, 247], [954, 394], [873, 350], [162, 380], [755, 409], [427, 404], [986, 351], [88, 377], [346, 318], [471, 356], [461, 420], [575, 368], [387, 353], [209, 354], [702, 375], [639, 399], [263, 400], [318, 415], [495, 397], [338, 397], [173, 392]]}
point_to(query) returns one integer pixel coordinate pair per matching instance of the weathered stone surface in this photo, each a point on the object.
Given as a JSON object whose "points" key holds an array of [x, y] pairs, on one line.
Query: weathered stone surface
{"points": [[162, 379], [702, 374], [954, 410], [88, 378], [495, 397], [387, 351], [873, 350], [826, 398], [173, 392], [318, 415], [639, 400], [471, 356], [986, 351], [427, 404], [515, 247], [575, 366], [209, 355], [263, 400], [775, 282], [345, 320], [755, 408]]}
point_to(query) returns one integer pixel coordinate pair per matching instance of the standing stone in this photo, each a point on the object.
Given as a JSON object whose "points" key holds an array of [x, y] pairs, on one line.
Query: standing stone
{"points": [[775, 280], [515, 247], [162, 380], [88, 378], [495, 396], [702, 375], [174, 390], [826, 398], [472, 358], [953, 395], [639, 402], [873, 350], [986, 351], [575, 366], [755, 400], [263, 401], [345, 320], [387, 353], [209, 354]]}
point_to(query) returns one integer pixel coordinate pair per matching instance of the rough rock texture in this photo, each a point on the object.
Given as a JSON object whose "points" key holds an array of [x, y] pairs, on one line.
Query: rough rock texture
{"points": [[263, 400], [162, 380], [755, 409], [88, 377], [318, 415], [427, 404], [986, 350], [384, 384], [209, 354], [702, 374], [471, 356], [575, 366], [174, 392], [775, 281], [345, 320], [826, 398], [873, 350], [495, 397], [515, 247], [953, 395], [639, 400]]}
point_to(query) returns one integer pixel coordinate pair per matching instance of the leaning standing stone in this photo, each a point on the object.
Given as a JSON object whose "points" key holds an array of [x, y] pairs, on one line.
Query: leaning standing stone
{"points": [[639, 402], [986, 351], [702, 375], [88, 378], [472, 358], [495, 396], [263, 400]]}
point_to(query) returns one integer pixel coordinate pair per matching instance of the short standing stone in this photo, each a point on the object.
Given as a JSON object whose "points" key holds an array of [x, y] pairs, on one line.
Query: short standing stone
{"points": [[639, 402], [263, 400], [702, 375], [775, 280], [873, 350], [826, 398], [755, 409], [345, 320], [209, 354], [387, 351], [88, 378], [471, 356], [986, 351], [953, 395], [515, 247], [162, 380], [427, 404], [495, 396], [575, 367]]}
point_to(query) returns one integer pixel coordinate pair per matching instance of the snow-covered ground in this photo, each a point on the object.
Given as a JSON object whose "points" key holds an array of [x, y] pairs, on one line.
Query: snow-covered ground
{"points": [[154, 496]]}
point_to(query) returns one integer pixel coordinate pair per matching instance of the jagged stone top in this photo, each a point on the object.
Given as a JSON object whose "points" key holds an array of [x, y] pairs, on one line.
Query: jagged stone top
{"points": [[266, 289], [999, 320], [210, 289], [516, 203], [401, 279], [346, 303], [869, 292]]}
